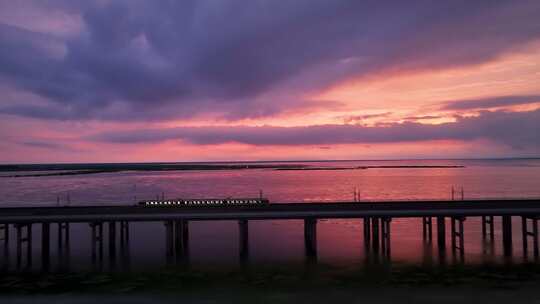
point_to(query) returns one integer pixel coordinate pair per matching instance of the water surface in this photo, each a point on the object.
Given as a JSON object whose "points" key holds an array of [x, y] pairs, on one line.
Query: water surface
{"points": [[281, 241]]}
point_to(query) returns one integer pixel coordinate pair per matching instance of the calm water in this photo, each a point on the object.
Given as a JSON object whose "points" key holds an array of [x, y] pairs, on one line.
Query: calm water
{"points": [[339, 241]]}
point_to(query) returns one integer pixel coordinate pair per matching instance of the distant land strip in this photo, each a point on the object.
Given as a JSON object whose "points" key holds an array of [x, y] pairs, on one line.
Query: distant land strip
{"points": [[79, 169], [373, 167], [76, 169]]}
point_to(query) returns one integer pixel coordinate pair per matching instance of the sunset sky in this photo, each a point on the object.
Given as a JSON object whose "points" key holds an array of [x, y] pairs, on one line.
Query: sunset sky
{"points": [[211, 80]]}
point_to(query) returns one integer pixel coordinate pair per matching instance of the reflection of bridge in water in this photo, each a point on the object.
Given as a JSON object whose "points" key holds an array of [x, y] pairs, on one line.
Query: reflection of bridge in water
{"points": [[376, 217]]}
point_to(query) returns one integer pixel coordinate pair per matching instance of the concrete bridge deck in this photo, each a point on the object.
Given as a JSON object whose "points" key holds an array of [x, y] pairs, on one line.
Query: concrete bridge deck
{"points": [[376, 217], [521, 207]]}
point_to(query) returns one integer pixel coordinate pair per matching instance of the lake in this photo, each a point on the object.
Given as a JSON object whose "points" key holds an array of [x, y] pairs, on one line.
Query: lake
{"points": [[340, 242]]}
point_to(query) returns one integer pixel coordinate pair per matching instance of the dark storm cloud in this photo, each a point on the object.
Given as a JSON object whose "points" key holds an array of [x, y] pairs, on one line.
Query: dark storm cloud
{"points": [[166, 59], [486, 103], [516, 129]]}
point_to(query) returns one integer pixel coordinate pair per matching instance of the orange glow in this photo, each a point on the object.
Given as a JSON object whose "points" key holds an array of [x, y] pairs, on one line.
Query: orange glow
{"points": [[422, 93]]}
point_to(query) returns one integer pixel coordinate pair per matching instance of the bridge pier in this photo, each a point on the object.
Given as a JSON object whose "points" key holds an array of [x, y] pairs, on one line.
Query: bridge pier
{"points": [[45, 246], [377, 236], [385, 225], [177, 240], [441, 234], [4, 238], [367, 233], [21, 239], [63, 244], [458, 233], [97, 243], [310, 237], [441, 239], [169, 241], [124, 243], [488, 228], [507, 235], [112, 243], [182, 240], [184, 254], [427, 228], [533, 234], [243, 229]]}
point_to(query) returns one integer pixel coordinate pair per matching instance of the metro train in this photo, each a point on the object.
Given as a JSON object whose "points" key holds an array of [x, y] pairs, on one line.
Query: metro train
{"points": [[196, 202]]}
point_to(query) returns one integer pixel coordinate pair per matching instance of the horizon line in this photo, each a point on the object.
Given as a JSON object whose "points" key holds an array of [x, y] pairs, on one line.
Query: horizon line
{"points": [[270, 161]]}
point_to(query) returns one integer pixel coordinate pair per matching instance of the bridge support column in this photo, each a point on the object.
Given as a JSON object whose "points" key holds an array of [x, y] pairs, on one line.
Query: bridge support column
{"points": [[488, 228], [45, 246], [177, 240], [97, 243], [169, 240], [63, 244], [427, 229], [181, 240], [533, 234], [375, 235], [367, 233], [4, 238], [21, 239], [112, 243], [441, 234], [185, 240], [310, 236], [507, 235], [124, 243], [243, 229], [458, 233], [385, 234]]}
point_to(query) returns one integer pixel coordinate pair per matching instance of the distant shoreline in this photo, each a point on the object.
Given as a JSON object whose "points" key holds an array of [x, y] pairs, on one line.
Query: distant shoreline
{"points": [[80, 169], [372, 167], [77, 169]]}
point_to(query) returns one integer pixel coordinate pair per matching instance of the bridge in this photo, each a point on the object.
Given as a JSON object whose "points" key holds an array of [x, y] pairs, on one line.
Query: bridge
{"points": [[376, 216]]}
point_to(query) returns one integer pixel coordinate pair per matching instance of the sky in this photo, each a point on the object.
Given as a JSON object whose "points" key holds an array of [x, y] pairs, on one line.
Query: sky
{"points": [[216, 80]]}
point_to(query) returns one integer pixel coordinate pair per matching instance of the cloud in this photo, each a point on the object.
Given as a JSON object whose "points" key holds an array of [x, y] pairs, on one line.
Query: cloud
{"points": [[141, 60], [424, 117], [361, 118], [51, 145], [491, 102], [518, 130]]}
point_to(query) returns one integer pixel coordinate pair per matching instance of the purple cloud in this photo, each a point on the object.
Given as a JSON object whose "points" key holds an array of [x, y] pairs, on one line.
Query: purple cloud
{"points": [[492, 102], [361, 118], [516, 129], [140, 60]]}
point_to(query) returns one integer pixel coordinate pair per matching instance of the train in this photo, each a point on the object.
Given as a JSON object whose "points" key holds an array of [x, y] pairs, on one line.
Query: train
{"points": [[200, 202]]}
